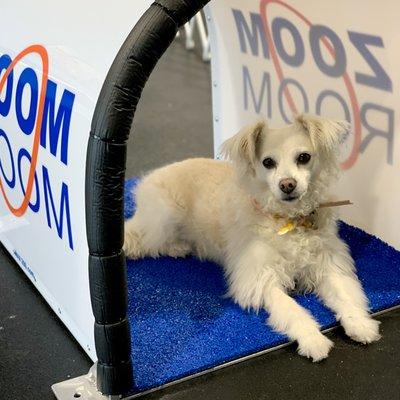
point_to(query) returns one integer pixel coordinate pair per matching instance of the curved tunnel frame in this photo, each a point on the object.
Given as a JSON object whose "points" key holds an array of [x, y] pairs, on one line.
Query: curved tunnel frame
{"points": [[105, 176]]}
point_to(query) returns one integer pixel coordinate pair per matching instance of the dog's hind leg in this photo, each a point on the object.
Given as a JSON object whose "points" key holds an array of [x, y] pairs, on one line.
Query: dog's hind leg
{"points": [[175, 249], [153, 230], [133, 246]]}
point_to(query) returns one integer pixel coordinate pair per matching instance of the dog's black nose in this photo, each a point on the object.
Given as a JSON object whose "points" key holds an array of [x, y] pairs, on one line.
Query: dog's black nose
{"points": [[287, 185]]}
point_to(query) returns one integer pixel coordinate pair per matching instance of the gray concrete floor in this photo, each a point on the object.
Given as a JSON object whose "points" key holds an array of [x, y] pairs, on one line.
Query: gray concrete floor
{"points": [[174, 116], [174, 122]]}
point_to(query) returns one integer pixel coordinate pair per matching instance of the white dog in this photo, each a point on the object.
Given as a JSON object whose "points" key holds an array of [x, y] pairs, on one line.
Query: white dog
{"points": [[260, 217]]}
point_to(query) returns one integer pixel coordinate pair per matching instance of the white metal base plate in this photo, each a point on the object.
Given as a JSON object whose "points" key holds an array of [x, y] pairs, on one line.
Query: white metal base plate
{"points": [[82, 388]]}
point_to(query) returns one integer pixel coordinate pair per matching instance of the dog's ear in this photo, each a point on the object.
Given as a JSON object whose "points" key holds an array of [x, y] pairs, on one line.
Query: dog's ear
{"points": [[242, 148], [325, 134]]}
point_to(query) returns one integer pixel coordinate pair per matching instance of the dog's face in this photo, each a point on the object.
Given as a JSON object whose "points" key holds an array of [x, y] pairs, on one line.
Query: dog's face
{"points": [[286, 161], [289, 166]]}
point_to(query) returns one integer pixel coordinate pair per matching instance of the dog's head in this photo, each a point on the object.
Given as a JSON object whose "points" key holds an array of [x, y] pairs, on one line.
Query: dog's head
{"points": [[287, 169]]}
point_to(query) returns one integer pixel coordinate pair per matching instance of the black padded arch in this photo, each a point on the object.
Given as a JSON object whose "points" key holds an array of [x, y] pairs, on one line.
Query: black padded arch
{"points": [[105, 176]]}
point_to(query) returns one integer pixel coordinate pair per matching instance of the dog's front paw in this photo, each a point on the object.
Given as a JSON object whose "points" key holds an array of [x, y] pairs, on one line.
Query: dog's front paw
{"points": [[316, 346], [361, 329]]}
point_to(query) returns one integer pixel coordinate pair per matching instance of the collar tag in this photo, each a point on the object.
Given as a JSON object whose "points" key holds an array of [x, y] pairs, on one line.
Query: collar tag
{"points": [[290, 226]]}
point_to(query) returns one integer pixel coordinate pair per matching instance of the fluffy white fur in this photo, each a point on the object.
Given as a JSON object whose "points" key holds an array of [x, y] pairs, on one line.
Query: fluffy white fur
{"points": [[204, 207]]}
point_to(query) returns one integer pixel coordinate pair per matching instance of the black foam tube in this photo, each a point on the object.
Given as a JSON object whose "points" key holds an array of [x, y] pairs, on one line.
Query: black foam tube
{"points": [[105, 175]]}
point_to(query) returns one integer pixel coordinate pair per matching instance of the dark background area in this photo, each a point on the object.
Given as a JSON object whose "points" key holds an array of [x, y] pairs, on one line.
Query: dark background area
{"points": [[173, 122]]}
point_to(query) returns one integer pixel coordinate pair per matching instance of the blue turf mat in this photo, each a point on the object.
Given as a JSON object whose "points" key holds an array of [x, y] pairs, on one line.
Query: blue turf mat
{"points": [[181, 323]]}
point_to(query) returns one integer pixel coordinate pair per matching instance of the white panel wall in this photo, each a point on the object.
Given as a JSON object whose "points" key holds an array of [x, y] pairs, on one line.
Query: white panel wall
{"points": [[48, 238]]}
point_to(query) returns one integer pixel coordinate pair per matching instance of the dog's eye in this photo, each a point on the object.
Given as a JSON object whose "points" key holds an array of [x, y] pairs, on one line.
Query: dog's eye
{"points": [[303, 158], [269, 163]]}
